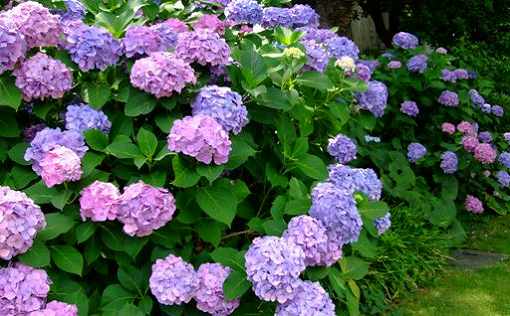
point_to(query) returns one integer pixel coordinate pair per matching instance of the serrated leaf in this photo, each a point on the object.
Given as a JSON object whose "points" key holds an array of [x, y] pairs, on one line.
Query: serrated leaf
{"points": [[219, 202], [139, 103], [67, 258], [96, 139]]}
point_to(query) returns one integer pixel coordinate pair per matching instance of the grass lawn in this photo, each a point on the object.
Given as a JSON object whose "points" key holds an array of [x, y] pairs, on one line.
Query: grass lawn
{"points": [[460, 292]]}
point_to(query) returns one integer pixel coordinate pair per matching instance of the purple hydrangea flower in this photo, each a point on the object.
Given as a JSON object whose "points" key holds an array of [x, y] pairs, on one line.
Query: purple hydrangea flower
{"points": [[310, 299], [49, 138], [497, 110], [342, 148], [144, 208], [60, 165], [486, 108], [13, 47], [506, 136], [410, 108], [173, 281], [485, 153], [504, 159], [461, 74], [176, 25], [36, 23], [466, 128], [417, 63], [167, 35], [405, 40], [382, 224], [448, 128], [273, 266], [354, 180], [209, 295], [449, 76], [75, 10], [56, 308], [30, 132], [448, 98], [340, 46], [476, 98], [244, 12], [209, 22], [363, 72], [415, 151], [374, 99], [273, 16], [394, 64], [99, 202], [311, 235], [161, 74], [473, 205], [203, 47], [141, 40], [81, 117], [317, 57], [485, 137], [92, 47], [222, 104], [21, 220], [23, 289], [449, 162], [371, 64], [317, 35], [303, 15], [41, 76], [200, 136], [503, 178]]}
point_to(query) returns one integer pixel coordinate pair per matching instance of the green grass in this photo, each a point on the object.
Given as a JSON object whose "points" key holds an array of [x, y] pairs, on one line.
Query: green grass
{"points": [[483, 292]]}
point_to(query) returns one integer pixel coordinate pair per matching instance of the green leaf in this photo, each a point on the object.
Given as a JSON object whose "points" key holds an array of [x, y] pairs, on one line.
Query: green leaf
{"points": [[253, 67], [40, 193], [17, 152], [372, 209], [37, 256], [84, 231], [314, 79], [147, 142], [115, 297], [211, 173], [229, 257], [210, 231], [443, 212], [365, 246], [123, 150], [21, 177], [56, 225], [312, 166], [184, 176], [275, 178], [286, 133], [240, 153], [10, 95], [354, 268], [336, 281], [449, 188], [274, 227], [276, 99], [95, 94], [139, 103], [8, 124], [67, 258], [133, 278], [96, 139], [131, 310], [235, 285], [90, 161], [297, 189], [60, 198], [218, 201]]}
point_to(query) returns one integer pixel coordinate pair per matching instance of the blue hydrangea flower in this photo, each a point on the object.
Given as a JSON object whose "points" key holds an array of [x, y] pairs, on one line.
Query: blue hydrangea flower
{"points": [[81, 117], [310, 299], [415, 151], [340, 46], [410, 108], [317, 57], [449, 162], [374, 99], [244, 12], [497, 110], [382, 224], [417, 63], [273, 16], [486, 108], [342, 148], [75, 10], [405, 40], [503, 178], [485, 137], [303, 15], [320, 36], [504, 159], [476, 98]]}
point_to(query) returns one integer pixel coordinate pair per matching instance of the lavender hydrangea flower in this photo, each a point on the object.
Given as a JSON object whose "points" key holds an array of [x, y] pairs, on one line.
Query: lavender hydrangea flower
{"points": [[47, 139], [56, 308], [374, 99], [23, 289], [449, 162], [36, 23], [13, 46], [382, 224], [410, 108], [203, 47], [372, 64], [92, 47], [81, 117], [222, 104], [210, 22], [340, 46], [317, 57], [363, 72], [273, 16], [466, 128], [448, 98], [161, 74], [30, 132], [177, 25], [473, 205], [319, 36], [60, 165], [497, 110], [486, 108], [503, 178], [75, 10], [415, 151], [353, 180], [506, 136], [167, 35], [303, 15], [141, 40], [405, 40], [311, 235], [99, 202], [244, 12], [461, 74], [394, 64], [417, 63], [273, 266], [144, 208], [310, 299], [41, 77], [485, 137], [21, 220], [342, 148], [504, 159], [209, 295], [476, 98], [485, 153], [173, 281], [441, 50], [200, 136], [449, 76]]}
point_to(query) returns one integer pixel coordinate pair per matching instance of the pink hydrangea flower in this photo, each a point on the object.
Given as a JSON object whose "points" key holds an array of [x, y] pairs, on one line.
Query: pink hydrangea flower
{"points": [[203, 47], [470, 143], [485, 153], [177, 25], [209, 295], [59, 165], [56, 308], [473, 205], [466, 128], [448, 128], [210, 22], [99, 202]]}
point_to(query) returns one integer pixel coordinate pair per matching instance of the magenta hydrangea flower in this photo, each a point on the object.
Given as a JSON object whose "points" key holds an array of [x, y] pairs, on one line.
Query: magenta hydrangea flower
{"points": [[41, 77], [449, 162], [23, 289], [222, 104], [13, 47], [209, 295], [173, 281], [36, 23], [21, 220], [310, 299], [161, 74], [310, 234], [470, 143], [353, 180], [418, 63], [56, 308], [374, 99], [274, 16], [448, 128], [203, 47], [141, 40], [415, 151], [473, 205], [81, 117], [410, 108], [303, 15], [448, 98], [243, 12], [405, 40], [485, 153], [342, 148], [273, 266], [99, 202], [394, 64], [60, 165], [144, 208], [200, 136], [210, 22], [340, 46]]}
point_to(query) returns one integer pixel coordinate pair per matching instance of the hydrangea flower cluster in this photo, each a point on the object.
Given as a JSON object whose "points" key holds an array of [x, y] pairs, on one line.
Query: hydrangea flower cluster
{"points": [[470, 143], [504, 159], [310, 299], [173, 281], [342, 148], [74, 10], [467, 128], [473, 205], [485, 153], [340, 46], [441, 50], [167, 34], [476, 98], [454, 75], [273, 266], [142, 40], [30, 132], [303, 15], [273, 16], [363, 72], [200, 136], [405, 40], [449, 162], [222, 104], [418, 63], [13, 47], [347, 64], [503, 178], [415, 151], [59, 165], [21, 220], [353, 180], [497, 110], [448, 128], [317, 57], [161, 74], [410, 108], [374, 99], [448, 98], [209, 22], [144, 208], [244, 12], [203, 47], [318, 35], [485, 137], [99, 202], [382, 224], [56, 308], [394, 64], [209, 295], [41, 77], [81, 117]]}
